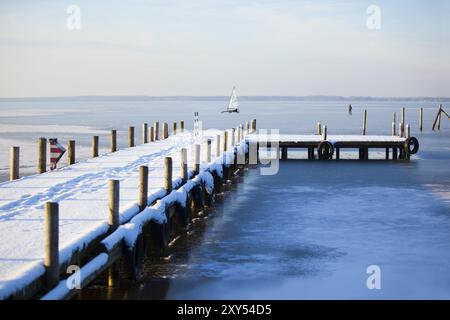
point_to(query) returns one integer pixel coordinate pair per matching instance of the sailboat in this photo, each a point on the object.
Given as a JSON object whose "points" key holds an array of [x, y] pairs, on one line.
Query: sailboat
{"points": [[233, 104]]}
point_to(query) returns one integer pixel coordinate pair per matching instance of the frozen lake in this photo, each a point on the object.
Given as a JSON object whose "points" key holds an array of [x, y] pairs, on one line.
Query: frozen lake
{"points": [[309, 231]]}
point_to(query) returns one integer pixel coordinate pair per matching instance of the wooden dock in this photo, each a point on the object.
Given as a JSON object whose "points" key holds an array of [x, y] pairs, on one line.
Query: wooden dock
{"points": [[64, 228]]}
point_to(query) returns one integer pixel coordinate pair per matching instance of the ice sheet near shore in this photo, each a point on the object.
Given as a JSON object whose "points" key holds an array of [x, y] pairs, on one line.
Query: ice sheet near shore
{"points": [[82, 193]]}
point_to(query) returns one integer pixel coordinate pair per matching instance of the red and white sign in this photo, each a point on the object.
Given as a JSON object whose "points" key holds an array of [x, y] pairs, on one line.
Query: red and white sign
{"points": [[56, 152]]}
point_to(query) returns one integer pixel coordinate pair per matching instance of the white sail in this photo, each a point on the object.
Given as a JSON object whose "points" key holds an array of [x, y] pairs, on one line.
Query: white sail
{"points": [[233, 105]]}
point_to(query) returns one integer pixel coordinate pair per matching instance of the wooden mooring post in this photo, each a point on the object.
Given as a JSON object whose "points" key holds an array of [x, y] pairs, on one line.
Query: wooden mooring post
{"points": [[403, 121], [165, 129], [364, 123], [174, 128], [319, 129], [42, 155], [144, 133], [156, 129], [184, 165], [182, 126], [208, 150], [51, 244], [143, 187], [131, 137], [168, 174], [113, 142], [113, 222], [196, 159], [71, 152], [217, 145], [152, 134], [95, 146], [14, 163], [421, 119]]}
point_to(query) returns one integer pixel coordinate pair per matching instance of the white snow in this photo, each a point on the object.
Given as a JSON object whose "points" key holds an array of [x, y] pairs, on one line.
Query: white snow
{"points": [[82, 193]]}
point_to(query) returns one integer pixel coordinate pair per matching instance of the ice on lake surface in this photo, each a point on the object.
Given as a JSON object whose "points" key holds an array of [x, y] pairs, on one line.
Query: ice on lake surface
{"points": [[310, 231]]}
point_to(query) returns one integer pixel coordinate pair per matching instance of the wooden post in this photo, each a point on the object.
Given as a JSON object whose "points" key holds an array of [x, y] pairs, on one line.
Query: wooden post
{"points": [[156, 129], [152, 134], [208, 151], [319, 129], [51, 243], [113, 140], [145, 133], [184, 165], [113, 206], [247, 127], [407, 132], [224, 141], [403, 120], [113, 222], [393, 129], [253, 125], [196, 159], [284, 153], [324, 133], [165, 128], [217, 145], [182, 126], [387, 153], [439, 119], [168, 174], [232, 138], [143, 187], [42, 158], [338, 153], [174, 128], [14, 163], [94, 146], [364, 122], [394, 153], [394, 117], [421, 119], [71, 152], [131, 137]]}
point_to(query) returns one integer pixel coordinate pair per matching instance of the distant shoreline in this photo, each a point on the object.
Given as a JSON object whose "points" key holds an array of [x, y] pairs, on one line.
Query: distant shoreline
{"points": [[224, 98]]}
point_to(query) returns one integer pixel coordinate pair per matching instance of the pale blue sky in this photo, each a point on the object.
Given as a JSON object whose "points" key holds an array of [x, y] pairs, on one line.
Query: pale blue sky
{"points": [[203, 47]]}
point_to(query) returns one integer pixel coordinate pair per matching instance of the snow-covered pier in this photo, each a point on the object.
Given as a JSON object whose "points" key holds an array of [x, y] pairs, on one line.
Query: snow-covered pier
{"points": [[62, 229]]}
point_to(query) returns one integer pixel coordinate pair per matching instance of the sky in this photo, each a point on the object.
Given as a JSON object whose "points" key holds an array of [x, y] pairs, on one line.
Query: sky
{"points": [[204, 47]]}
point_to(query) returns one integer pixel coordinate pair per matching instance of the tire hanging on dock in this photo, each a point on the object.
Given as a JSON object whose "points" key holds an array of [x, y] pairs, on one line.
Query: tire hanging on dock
{"points": [[325, 150], [134, 257], [412, 144]]}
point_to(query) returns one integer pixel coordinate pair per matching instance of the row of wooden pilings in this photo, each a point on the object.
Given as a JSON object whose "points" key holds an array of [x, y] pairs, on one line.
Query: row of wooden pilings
{"points": [[148, 135], [155, 236], [404, 131]]}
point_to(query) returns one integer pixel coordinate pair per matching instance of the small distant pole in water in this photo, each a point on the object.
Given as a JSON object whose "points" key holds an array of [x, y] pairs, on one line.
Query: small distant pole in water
{"points": [[421, 119], [393, 129], [400, 130], [394, 118], [407, 132], [324, 133], [439, 120], [196, 126], [14, 163], [350, 108], [364, 122], [403, 119], [319, 129]]}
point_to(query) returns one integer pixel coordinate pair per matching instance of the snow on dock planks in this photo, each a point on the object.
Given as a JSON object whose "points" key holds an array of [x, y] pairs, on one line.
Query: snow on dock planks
{"points": [[63, 228]]}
